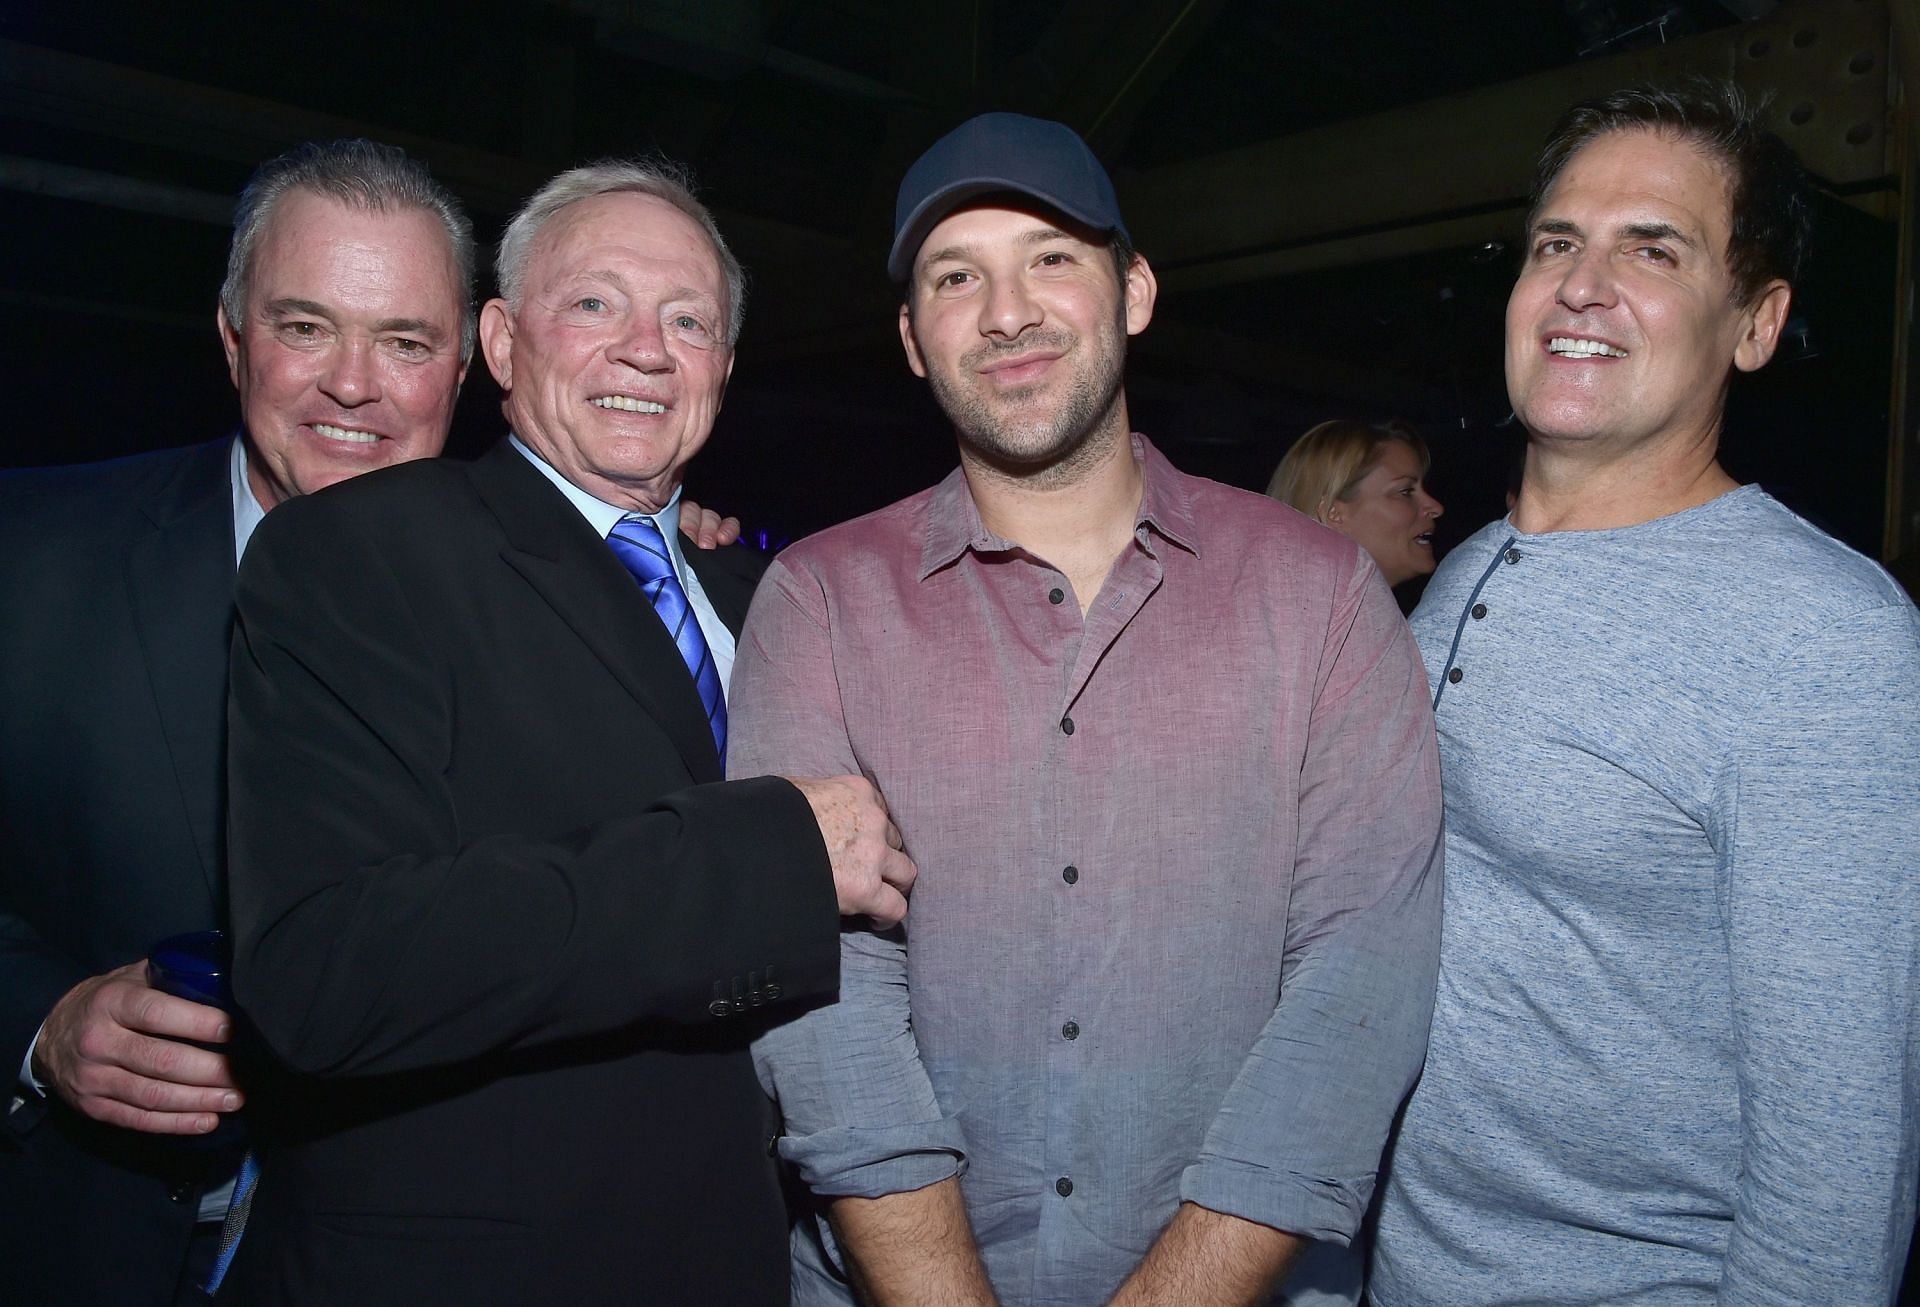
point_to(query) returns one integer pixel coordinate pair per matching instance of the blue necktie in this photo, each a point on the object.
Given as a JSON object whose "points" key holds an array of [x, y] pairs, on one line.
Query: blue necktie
{"points": [[637, 544], [236, 1222]]}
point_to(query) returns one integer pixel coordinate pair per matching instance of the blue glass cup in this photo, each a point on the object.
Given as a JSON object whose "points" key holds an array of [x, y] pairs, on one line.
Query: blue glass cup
{"points": [[198, 967]]}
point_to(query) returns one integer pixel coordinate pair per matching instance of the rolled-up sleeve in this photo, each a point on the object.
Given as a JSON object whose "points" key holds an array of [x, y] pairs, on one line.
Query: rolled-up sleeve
{"points": [[1296, 1143], [858, 1110]]}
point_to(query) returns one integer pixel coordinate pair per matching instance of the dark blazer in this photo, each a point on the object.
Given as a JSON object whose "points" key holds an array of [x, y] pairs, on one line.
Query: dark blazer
{"points": [[504, 929], [116, 597]]}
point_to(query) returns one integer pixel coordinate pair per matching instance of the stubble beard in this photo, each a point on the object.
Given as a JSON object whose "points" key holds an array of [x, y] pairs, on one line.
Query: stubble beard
{"points": [[1047, 448]]}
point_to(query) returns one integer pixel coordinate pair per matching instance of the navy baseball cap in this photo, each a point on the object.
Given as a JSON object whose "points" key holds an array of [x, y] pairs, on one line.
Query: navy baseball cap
{"points": [[994, 153]]}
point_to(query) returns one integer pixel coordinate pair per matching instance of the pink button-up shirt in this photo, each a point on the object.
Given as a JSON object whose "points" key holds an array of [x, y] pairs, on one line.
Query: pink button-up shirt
{"points": [[1175, 930]]}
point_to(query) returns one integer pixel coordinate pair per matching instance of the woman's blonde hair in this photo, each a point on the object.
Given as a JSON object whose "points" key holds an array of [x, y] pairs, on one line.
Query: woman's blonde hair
{"points": [[1326, 463]]}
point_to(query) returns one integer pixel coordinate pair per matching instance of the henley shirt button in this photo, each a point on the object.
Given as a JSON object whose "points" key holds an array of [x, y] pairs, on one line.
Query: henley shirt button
{"points": [[1056, 596], [1066, 725], [1453, 676], [1071, 1030], [1513, 555], [1479, 611], [1071, 875], [1063, 1186]]}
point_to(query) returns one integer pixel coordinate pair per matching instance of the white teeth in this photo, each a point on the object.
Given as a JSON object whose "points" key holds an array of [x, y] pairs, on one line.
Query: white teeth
{"points": [[1575, 347], [628, 404], [341, 433]]}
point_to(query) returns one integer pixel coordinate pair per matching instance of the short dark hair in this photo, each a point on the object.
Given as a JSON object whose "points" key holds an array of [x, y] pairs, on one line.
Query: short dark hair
{"points": [[1121, 248], [1767, 193]]}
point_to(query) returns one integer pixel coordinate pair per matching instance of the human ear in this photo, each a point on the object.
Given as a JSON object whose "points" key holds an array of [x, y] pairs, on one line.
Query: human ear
{"points": [[908, 343], [496, 341], [1142, 288], [1762, 325]]}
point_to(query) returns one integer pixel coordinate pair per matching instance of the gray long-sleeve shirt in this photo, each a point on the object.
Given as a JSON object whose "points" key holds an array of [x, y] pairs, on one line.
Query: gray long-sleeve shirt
{"points": [[1674, 1057]]}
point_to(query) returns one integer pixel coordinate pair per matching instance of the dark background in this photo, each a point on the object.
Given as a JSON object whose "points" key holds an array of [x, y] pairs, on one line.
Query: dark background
{"points": [[126, 130], [1381, 149]]}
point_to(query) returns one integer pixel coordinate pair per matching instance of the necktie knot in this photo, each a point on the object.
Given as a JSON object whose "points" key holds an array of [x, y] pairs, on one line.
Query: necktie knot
{"points": [[641, 549]]}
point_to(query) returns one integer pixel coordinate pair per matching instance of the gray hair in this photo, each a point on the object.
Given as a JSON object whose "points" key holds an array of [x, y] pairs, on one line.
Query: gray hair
{"points": [[360, 174], [663, 179]]}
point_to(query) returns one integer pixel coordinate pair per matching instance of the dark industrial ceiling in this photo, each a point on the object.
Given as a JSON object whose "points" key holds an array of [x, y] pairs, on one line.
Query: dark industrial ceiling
{"points": [[1326, 190]]}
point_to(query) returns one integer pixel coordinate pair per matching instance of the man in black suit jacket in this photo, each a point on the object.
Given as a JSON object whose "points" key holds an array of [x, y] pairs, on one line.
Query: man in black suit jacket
{"points": [[496, 914], [347, 318]]}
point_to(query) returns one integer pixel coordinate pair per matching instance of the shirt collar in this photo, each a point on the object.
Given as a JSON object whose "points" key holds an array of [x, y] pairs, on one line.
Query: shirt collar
{"points": [[954, 526], [602, 516], [247, 513]]}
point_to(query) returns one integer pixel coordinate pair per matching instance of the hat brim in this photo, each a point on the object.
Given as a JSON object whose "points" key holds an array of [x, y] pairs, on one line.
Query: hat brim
{"points": [[933, 210]]}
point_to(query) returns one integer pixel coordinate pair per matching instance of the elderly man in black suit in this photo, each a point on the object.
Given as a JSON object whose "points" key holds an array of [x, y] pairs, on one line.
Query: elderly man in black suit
{"points": [[503, 925], [347, 318]]}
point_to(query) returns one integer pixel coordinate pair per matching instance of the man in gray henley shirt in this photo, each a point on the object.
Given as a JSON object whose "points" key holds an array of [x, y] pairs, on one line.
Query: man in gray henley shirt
{"points": [[1673, 1057]]}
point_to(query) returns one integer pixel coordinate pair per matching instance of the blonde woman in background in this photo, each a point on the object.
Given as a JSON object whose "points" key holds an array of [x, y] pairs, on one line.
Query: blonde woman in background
{"points": [[1365, 480]]}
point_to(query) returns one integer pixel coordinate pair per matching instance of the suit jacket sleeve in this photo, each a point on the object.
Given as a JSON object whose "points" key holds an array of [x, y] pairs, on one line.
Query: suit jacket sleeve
{"points": [[37, 689], [374, 934]]}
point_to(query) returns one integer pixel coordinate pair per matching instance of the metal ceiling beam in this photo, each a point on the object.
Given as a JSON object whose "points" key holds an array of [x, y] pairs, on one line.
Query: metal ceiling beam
{"points": [[91, 186], [125, 104], [1455, 171], [1901, 539], [1128, 51]]}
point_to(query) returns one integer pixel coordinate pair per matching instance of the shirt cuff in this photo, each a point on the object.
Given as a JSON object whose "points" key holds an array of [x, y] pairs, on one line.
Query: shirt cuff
{"points": [[868, 1162], [1312, 1206], [28, 1082]]}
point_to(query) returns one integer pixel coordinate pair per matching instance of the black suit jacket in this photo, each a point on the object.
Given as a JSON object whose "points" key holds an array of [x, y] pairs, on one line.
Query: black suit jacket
{"points": [[116, 585], [503, 927]]}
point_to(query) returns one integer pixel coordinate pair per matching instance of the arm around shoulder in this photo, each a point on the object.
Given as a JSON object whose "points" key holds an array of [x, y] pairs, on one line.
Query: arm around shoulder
{"points": [[375, 933]]}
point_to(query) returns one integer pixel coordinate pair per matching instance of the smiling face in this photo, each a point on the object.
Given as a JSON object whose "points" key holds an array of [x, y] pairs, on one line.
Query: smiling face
{"points": [[348, 357], [1020, 328], [616, 360], [1390, 514], [1622, 329]]}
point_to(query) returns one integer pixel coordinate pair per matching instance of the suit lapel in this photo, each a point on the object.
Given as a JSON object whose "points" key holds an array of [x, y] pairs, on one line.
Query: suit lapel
{"points": [[180, 578], [553, 548]]}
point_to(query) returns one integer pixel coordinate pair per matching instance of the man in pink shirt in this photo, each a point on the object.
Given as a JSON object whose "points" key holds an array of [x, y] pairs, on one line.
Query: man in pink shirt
{"points": [[1162, 752]]}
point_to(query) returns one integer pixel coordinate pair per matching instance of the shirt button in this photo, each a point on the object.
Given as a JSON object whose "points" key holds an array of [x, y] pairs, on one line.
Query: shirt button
{"points": [[1063, 1186], [1479, 611], [1071, 1030], [1056, 596], [1071, 875], [1513, 555], [1066, 725], [1453, 676]]}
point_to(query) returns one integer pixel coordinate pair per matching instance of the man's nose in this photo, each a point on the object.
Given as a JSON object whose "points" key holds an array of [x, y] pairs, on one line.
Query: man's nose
{"points": [[351, 377], [1588, 282], [643, 345], [1007, 308]]}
